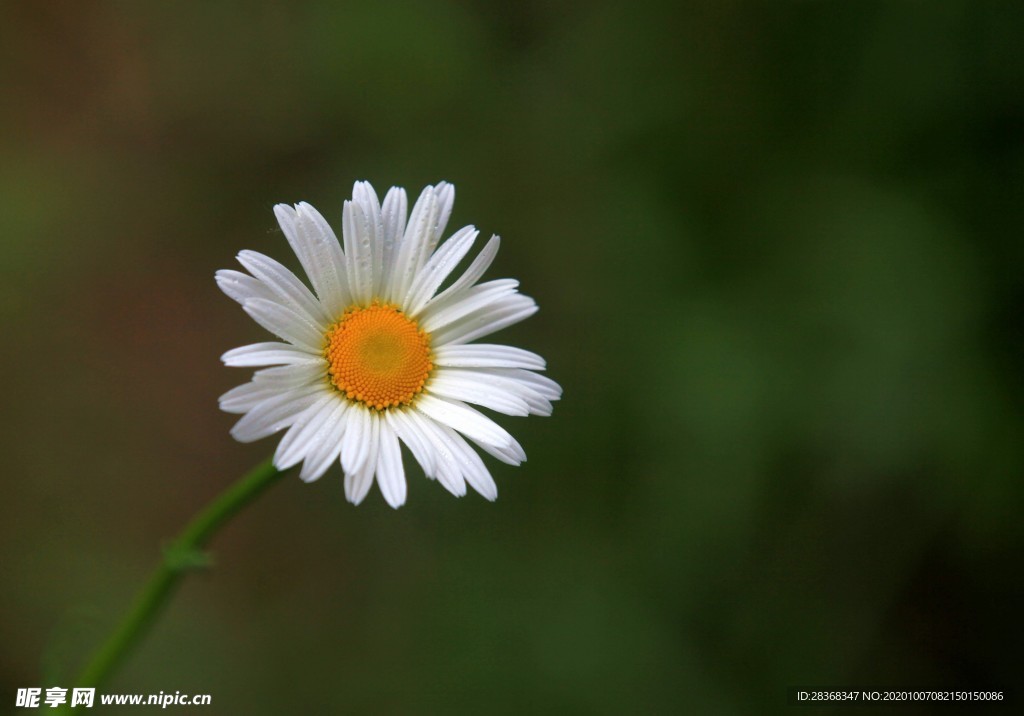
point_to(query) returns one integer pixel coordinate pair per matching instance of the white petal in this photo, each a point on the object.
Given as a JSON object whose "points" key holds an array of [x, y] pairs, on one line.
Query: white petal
{"points": [[417, 236], [268, 353], [241, 287], [438, 268], [418, 444], [473, 468], [491, 379], [390, 475], [322, 259], [286, 377], [301, 436], [305, 247], [508, 311], [511, 455], [359, 251], [485, 296], [464, 419], [290, 374], [541, 383], [394, 211], [265, 385], [286, 286], [285, 323], [326, 445], [286, 219], [445, 201], [448, 471], [364, 195], [245, 397], [355, 445], [512, 449], [472, 274], [486, 355], [274, 414], [429, 218], [450, 384], [357, 484]]}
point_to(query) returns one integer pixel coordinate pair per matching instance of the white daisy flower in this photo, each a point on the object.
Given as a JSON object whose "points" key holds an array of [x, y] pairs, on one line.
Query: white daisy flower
{"points": [[378, 356]]}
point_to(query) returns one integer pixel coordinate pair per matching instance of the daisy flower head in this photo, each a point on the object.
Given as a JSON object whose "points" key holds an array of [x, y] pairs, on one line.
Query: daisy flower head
{"points": [[378, 354]]}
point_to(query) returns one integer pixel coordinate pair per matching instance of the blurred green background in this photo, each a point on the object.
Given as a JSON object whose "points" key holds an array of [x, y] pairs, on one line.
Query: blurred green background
{"points": [[777, 249]]}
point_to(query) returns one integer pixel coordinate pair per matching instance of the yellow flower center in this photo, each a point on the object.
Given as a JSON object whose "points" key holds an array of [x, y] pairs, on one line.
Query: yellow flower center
{"points": [[378, 356]]}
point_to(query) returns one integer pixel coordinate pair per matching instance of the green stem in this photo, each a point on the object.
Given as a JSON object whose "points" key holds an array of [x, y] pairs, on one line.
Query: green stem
{"points": [[183, 554]]}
